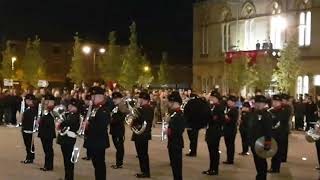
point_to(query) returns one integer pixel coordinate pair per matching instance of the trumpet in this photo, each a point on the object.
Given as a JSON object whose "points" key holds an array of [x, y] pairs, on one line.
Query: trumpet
{"points": [[80, 134]]}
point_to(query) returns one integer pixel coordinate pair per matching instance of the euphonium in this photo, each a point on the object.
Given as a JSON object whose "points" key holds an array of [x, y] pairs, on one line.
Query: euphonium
{"points": [[59, 113], [128, 106], [313, 134]]}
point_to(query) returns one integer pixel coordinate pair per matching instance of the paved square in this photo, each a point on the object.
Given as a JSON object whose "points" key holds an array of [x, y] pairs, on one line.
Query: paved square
{"points": [[12, 152]]}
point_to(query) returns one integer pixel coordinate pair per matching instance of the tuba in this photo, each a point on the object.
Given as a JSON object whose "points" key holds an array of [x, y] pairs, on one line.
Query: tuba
{"points": [[128, 106], [313, 134]]}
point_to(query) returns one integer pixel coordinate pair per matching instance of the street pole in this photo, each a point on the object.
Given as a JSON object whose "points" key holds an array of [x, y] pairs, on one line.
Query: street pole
{"points": [[94, 63]]}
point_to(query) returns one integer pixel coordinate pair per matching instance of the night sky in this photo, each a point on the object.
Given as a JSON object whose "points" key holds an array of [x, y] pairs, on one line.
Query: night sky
{"points": [[162, 25]]}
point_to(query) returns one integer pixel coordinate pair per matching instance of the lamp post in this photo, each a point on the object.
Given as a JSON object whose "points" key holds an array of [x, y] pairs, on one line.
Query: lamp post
{"points": [[13, 60], [87, 50]]}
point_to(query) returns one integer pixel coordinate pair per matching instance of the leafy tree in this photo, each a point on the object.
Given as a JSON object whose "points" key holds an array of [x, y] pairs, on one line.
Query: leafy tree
{"points": [[238, 74], [261, 73], [288, 67], [33, 64], [145, 77], [110, 64], [130, 69], [163, 73], [78, 71], [6, 65]]}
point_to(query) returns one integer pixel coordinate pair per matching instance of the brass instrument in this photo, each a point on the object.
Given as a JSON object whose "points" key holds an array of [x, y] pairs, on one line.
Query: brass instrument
{"points": [[128, 106], [36, 124], [59, 113], [80, 134], [22, 109], [313, 134]]}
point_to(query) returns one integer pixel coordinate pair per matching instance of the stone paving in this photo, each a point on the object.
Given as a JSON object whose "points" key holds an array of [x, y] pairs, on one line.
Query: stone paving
{"points": [[12, 151]]}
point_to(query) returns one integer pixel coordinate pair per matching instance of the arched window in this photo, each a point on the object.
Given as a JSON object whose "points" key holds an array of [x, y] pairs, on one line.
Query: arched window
{"points": [[305, 85], [304, 22], [248, 10], [299, 85]]}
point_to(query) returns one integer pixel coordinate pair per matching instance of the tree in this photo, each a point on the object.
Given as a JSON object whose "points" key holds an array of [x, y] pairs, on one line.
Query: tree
{"points": [[6, 65], [145, 77], [78, 71], [261, 73], [288, 67], [163, 73], [33, 64], [110, 64], [130, 69], [238, 73]]}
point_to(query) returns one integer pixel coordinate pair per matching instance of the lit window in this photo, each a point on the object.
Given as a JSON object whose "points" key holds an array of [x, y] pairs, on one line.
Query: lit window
{"points": [[278, 25], [249, 41], [299, 85], [305, 29], [225, 35], [317, 80], [305, 85], [204, 40]]}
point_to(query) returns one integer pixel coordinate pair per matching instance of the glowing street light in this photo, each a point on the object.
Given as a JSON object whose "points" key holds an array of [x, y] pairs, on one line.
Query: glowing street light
{"points": [[86, 49], [146, 68], [13, 60], [102, 50]]}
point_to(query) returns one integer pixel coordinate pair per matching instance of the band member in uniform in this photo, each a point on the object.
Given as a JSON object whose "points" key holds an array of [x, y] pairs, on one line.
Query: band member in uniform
{"points": [[277, 116], [28, 119], [193, 135], [142, 140], [47, 132], [67, 138], [214, 132], [285, 126], [97, 133], [230, 128], [243, 127], [260, 125], [117, 130], [85, 106], [175, 134]]}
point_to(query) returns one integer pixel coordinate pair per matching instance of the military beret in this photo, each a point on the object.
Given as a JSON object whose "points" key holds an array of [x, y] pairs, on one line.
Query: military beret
{"points": [[144, 95], [97, 90], [49, 97], [260, 99], [285, 96], [175, 97], [277, 97], [30, 97], [215, 94], [116, 95], [246, 104], [232, 98]]}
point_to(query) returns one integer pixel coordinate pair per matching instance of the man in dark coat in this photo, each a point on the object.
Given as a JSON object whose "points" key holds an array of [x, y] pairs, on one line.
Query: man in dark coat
{"points": [[97, 132], [142, 140], [299, 112], [175, 134], [47, 132], [243, 127]]}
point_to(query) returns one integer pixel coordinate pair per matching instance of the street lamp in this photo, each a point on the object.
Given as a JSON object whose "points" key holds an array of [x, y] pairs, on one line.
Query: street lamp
{"points": [[146, 68], [13, 60], [87, 50]]}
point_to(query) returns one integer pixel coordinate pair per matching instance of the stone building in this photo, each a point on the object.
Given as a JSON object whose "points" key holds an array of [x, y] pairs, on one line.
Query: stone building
{"points": [[222, 26]]}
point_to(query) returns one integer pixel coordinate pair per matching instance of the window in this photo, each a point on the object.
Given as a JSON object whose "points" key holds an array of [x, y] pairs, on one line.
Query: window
{"points": [[305, 29], [303, 85], [316, 80], [249, 39], [225, 35], [278, 26], [204, 40]]}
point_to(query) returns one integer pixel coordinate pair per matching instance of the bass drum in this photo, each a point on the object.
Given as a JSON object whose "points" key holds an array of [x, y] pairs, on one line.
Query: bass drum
{"points": [[197, 113]]}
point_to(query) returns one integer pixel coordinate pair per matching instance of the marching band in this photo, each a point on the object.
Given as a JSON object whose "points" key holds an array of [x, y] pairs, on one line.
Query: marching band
{"points": [[264, 128]]}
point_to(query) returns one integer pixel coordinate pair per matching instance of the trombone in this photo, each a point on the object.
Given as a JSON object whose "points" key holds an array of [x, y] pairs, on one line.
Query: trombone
{"points": [[80, 133]]}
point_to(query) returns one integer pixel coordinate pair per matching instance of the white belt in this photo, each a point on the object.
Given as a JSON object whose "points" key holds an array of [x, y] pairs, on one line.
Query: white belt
{"points": [[28, 132], [71, 134]]}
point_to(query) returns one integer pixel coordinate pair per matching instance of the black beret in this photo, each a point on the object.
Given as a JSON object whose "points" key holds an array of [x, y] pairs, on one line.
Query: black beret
{"points": [[277, 97], [97, 90], [175, 97], [30, 97], [246, 104], [75, 102], [144, 95], [260, 99], [232, 98], [49, 97], [215, 94], [285, 96], [117, 95]]}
